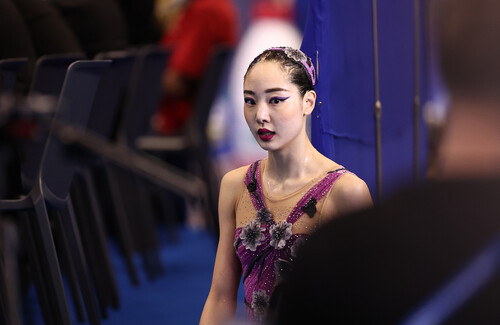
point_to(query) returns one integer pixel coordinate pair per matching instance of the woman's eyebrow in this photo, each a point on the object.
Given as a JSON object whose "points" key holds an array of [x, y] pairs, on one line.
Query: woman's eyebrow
{"points": [[272, 90], [267, 91]]}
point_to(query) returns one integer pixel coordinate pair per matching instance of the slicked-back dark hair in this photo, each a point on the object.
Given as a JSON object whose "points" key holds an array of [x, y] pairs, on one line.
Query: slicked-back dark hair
{"points": [[297, 74]]}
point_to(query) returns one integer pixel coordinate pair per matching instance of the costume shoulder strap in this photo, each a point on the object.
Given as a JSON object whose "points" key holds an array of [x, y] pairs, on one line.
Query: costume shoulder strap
{"points": [[254, 187]]}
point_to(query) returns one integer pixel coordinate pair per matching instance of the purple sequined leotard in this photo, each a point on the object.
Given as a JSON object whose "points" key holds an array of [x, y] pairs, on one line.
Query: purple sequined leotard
{"points": [[266, 247]]}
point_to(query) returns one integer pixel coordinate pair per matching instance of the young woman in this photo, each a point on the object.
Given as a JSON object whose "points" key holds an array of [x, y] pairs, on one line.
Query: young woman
{"points": [[269, 208]]}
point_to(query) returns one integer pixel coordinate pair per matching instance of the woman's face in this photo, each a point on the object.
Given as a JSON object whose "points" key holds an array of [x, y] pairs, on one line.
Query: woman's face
{"points": [[274, 109]]}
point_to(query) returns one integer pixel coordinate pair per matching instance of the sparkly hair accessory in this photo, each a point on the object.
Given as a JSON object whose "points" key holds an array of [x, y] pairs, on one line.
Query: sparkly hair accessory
{"points": [[300, 57]]}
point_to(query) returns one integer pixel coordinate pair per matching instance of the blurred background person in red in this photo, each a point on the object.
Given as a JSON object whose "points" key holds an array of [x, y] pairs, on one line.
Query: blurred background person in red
{"points": [[191, 35]]}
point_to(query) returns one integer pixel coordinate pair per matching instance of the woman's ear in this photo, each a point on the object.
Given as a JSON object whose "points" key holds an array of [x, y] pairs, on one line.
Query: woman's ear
{"points": [[309, 102]]}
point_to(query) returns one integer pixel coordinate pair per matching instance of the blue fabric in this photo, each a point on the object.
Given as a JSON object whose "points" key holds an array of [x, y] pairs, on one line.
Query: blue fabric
{"points": [[340, 34]]}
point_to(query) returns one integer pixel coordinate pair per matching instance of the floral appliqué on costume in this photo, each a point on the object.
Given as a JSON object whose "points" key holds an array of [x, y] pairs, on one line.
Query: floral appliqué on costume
{"points": [[264, 215], [252, 235], [280, 233], [260, 302]]}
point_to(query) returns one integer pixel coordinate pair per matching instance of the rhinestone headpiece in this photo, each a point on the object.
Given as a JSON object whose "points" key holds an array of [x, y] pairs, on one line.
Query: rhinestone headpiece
{"points": [[300, 57]]}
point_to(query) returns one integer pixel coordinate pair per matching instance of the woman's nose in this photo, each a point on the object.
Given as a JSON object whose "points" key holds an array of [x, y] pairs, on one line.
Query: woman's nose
{"points": [[262, 114]]}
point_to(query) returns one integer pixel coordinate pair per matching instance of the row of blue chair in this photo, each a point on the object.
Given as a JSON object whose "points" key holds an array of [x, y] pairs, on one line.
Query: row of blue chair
{"points": [[47, 178], [103, 107]]}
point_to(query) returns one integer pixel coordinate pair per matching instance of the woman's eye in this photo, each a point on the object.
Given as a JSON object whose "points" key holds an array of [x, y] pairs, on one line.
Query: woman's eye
{"points": [[249, 101], [277, 100]]}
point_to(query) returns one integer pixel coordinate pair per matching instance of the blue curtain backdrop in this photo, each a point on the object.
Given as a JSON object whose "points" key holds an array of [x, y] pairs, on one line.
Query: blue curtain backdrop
{"points": [[339, 34]]}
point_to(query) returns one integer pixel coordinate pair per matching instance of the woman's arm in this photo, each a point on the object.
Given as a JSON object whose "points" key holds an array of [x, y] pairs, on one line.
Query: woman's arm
{"points": [[221, 302]]}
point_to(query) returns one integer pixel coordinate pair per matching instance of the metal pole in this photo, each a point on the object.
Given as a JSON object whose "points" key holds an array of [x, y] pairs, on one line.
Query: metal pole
{"points": [[416, 98], [378, 104]]}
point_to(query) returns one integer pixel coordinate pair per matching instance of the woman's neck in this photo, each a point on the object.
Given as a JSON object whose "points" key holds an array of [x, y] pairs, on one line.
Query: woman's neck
{"points": [[292, 163]]}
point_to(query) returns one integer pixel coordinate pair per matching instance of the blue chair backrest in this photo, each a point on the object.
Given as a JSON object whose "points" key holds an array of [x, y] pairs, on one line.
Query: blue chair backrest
{"points": [[50, 71], [210, 84], [74, 106], [111, 94], [144, 93], [48, 79], [9, 69]]}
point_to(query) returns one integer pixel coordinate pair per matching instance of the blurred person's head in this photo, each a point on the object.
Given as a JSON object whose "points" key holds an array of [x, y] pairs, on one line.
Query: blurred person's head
{"points": [[167, 12], [468, 41]]}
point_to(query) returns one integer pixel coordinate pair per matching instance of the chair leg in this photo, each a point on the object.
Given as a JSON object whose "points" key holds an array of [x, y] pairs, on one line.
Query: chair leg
{"points": [[123, 227], [68, 223], [169, 212], [93, 234], [212, 187], [10, 271], [67, 265], [91, 250], [147, 218], [136, 217], [36, 273], [49, 261], [141, 215], [4, 296], [98, 231]]}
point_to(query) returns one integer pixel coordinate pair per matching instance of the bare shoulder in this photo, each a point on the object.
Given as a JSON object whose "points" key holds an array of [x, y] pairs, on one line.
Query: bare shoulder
{"points": [[351, 186], [349, 193], [231, 185], [234, 178]]}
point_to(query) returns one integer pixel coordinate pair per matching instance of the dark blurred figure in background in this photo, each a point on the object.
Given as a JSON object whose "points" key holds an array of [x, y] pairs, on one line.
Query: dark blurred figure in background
{"points": [[379, 266], [99, 25], [142, 26], [192, 36], [15, 40], [30, 29], [33, 28], [49, 31]]}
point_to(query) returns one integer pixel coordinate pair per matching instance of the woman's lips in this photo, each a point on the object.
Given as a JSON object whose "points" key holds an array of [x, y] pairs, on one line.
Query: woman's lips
{"points": [[265, 134]]}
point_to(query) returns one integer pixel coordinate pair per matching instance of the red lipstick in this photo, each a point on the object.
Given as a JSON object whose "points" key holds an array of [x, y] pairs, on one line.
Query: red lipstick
{"points": [[265, 134]]}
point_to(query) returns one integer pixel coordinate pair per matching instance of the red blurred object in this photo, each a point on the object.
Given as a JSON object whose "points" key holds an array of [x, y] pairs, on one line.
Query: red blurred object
{"points": [[22, 129], [281, 9]]}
